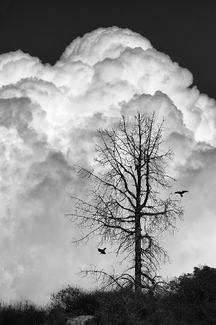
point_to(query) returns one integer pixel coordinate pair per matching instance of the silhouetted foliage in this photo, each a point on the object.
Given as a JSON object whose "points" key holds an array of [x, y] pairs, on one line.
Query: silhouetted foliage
{"points": [[189, 299], [56, 316], [22, 313], [74, 301], [119, 307], [192, 297]]}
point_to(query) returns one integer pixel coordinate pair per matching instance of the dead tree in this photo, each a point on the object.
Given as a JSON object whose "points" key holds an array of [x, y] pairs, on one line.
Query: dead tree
{"points": [[128, 204]]}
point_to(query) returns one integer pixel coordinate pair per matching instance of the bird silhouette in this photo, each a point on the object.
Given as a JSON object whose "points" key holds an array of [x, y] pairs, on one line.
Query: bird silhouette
{"points": [[180, 192], [102, 251]]}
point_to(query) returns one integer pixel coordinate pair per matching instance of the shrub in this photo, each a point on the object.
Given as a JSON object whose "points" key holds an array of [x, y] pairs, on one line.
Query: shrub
{"points": [[119, 307], [74, 301], [21, 313]]}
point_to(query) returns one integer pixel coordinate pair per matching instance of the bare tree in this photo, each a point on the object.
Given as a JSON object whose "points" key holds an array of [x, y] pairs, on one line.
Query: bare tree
{"points": [[128, 204]]}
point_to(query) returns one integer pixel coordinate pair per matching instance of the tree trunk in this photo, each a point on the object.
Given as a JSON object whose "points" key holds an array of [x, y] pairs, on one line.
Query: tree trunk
{"points": [[138, 254]]}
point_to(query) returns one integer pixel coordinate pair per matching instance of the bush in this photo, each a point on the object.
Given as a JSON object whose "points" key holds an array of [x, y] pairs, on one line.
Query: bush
{"points": [[22, 313], [192, 297], [119, 307], [74, 301], [56, 317]]}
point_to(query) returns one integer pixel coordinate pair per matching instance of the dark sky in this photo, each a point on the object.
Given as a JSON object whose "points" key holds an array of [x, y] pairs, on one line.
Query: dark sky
{"points": [[182, 29]]}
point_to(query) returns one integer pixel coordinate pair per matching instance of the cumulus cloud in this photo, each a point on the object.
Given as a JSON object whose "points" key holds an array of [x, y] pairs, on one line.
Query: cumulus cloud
{"points": [[48, 121]]}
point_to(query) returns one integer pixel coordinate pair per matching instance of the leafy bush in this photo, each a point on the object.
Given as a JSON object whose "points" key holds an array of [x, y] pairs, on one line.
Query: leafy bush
{"points": [[119, 307], [22, 313], [56, 317], [192, 297], [74, 301]]}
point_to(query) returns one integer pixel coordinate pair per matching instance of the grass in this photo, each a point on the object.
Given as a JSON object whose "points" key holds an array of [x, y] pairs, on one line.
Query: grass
{"points": [[28, 313]]}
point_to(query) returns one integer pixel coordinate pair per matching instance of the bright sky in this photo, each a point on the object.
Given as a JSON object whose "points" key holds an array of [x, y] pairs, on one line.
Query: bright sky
{"points": [[48, 117]]}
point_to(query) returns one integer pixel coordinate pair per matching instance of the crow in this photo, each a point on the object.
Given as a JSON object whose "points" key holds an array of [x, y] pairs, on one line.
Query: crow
{"points": [[102, 251], [180, 192]]}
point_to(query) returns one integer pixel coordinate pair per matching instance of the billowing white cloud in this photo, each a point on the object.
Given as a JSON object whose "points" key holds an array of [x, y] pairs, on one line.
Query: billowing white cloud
{"points": [[48, 120]]}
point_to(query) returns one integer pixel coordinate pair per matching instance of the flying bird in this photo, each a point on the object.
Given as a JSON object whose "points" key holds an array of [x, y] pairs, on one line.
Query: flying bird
{"points": [[102, 251], [181, 192]]}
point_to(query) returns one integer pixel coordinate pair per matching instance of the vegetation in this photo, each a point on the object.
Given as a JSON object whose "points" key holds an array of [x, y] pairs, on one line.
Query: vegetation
{"points": [[21, 313], [187, 300], [75, 301]]}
